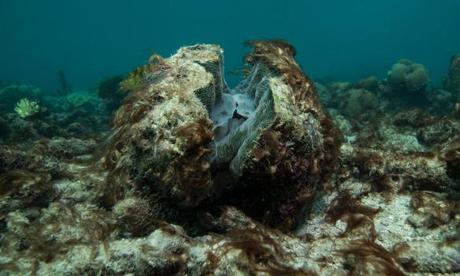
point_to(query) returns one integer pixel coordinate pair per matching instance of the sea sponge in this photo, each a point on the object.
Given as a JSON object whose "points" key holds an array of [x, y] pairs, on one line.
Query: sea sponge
{"points": [[185, 138], [408, 78]]}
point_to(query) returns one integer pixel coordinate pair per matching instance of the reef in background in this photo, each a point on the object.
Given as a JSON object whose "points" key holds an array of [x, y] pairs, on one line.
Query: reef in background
{"points": [[198, 178]]}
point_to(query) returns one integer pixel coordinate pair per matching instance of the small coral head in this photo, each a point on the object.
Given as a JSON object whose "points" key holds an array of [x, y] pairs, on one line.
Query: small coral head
{"points": [[26, 108]]}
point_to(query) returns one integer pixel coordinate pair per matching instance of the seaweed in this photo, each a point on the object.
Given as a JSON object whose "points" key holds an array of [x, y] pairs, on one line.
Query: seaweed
{"points": [[262, 252], [192, 167], [33, 189], [365, 257], [428, 204], [141, 76], [346, 204], [278, 55], [354, 213]]}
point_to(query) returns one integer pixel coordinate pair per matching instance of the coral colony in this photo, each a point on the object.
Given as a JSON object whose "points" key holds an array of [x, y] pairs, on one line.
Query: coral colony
{"points": [[278, 175]]}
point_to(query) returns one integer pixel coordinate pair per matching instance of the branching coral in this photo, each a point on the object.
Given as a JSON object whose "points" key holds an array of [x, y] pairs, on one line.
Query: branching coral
{"points": [[26, 108]]}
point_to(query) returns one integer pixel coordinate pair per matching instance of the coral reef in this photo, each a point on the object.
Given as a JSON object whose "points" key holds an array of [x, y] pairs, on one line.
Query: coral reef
{"points": [[197, 178]]}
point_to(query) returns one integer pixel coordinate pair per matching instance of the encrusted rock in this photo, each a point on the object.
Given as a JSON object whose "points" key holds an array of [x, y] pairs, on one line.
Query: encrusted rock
{"points": [[400, 171]]}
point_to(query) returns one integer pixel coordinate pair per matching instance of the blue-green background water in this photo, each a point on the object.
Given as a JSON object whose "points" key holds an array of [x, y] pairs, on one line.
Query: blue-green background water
{"points": [[335, 39]]}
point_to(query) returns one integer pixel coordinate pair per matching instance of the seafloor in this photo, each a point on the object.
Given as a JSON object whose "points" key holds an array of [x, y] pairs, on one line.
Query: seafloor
{"points": [[168, 171]]}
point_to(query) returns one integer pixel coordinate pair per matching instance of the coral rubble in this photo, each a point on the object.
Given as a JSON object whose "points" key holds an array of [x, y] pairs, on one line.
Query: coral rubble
{"points": [[197, 178]]}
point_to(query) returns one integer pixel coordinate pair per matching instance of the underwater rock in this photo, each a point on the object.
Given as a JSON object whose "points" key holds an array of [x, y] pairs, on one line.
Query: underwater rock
{"points": [[168, 250], [400, 141], [451, 154], [408, 79], [430, 131], [358, 103], [358, 216], [441, 102], [414, 118], [401, 171], [43, 162], [65, 149], [452, 82], [38, 237], [247, 248], [345, 127], [186, 137], [370, 83], [134, 217], [431, 210], [439, 132]]}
